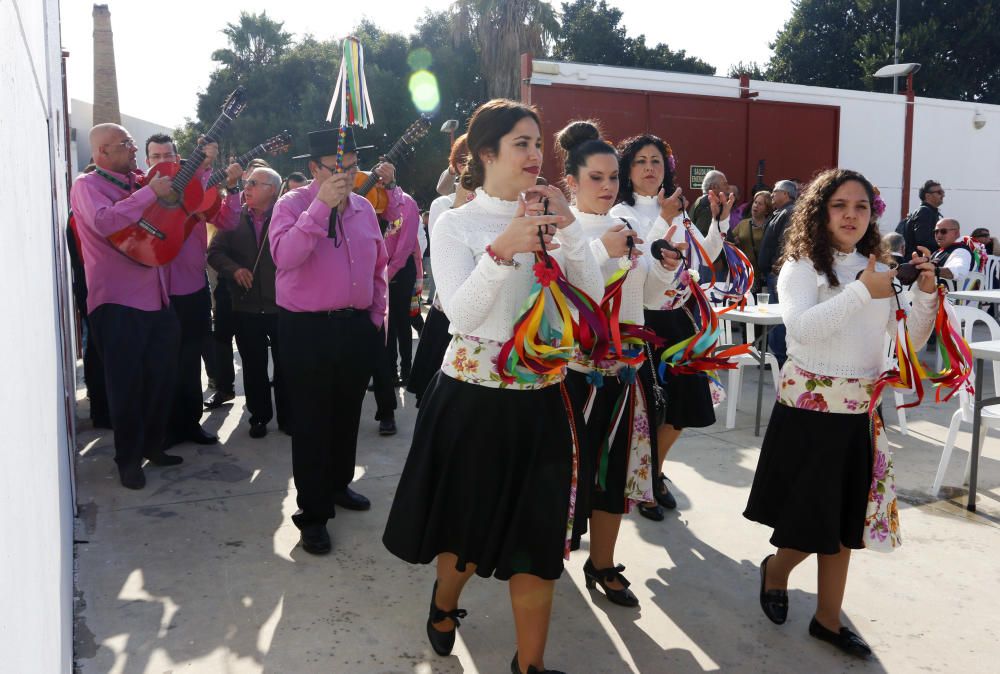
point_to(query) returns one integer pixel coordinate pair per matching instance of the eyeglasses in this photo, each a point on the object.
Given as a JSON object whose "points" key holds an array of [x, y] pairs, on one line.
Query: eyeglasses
{"points": [[128, 143], [332, 169], [255, 183], [944, 231]]}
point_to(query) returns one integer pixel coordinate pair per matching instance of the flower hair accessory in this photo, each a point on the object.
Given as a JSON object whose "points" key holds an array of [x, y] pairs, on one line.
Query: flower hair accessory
{"points": [[878, 206]]}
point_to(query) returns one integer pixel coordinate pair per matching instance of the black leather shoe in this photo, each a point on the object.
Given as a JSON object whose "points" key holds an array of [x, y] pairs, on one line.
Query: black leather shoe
{"points": [[653, 512], [202, 437], [218, 399], [387, 427], [316, 539], [623, 597], [845, 639], [164, 459], [351, 500], [662, 493], [442, 642], [132, 478], [258, 431], [774, 603], [515, 669]]}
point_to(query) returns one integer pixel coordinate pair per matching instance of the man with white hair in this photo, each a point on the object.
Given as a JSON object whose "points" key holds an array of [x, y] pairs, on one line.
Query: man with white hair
{"points": [[242, 256], [772, 246], [701, 212]]}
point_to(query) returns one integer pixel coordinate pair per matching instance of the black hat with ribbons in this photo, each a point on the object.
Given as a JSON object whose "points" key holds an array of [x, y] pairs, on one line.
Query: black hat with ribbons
{"points": [[324, 143]]}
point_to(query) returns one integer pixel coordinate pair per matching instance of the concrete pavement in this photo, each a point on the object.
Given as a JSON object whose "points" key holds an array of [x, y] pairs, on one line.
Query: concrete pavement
{"points": [[201, 571]]}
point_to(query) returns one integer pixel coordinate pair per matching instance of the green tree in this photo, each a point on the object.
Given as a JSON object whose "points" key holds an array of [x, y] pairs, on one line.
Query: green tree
{"points": [[840, 43], [755, 70], [255, 41], [592, 33], [501, 31]]}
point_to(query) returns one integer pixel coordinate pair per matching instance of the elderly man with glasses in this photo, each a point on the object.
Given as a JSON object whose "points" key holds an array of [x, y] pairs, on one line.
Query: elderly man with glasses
{"points": [[918, 227], [952, 257], [331, 291], [242, 256]]}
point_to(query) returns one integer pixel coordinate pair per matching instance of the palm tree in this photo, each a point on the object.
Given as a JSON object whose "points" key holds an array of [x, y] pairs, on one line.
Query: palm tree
{"points": [[501, 30], [254, 42]]}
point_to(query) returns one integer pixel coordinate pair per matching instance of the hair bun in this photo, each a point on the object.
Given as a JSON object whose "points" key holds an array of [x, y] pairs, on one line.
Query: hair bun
{"points": [[577, 132]]}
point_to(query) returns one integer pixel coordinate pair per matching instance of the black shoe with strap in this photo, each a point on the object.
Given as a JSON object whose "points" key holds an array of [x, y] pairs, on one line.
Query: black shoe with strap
{"points": [[442, 642], [515, 669], [845, 639], [651, 511], [622, 597], [662, 493], [774, 603]]}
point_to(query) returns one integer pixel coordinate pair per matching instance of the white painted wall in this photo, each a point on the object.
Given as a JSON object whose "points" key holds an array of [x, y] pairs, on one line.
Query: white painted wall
{"points": [[35, 496], [946, 146]]}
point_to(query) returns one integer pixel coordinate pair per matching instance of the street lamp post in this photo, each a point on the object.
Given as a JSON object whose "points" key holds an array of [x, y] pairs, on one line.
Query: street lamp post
{"points": [[904, 70], [449, 128]]}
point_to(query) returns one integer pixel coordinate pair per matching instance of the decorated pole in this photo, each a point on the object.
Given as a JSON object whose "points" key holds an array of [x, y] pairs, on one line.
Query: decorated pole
{"points": [[352, 90]]}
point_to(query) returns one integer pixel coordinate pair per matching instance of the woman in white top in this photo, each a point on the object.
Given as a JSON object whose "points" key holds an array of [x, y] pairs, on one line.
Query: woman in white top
{"points": [[489, 483], [606, 393], [647, 176], [821, 483]]}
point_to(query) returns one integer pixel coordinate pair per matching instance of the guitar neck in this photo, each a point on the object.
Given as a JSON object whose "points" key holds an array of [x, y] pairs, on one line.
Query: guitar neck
{"points": [[220, 174], [390, 157], [194, 161]]}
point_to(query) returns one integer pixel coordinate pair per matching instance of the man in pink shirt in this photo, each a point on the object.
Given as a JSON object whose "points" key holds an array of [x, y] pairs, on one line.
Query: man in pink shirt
{"points": [[131, 323], [330, 288], [191, 301]]}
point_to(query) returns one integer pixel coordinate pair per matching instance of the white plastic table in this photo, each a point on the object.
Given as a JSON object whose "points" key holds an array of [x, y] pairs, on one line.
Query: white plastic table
{"points": [[984, 296], [765, 316], [981, 351]]}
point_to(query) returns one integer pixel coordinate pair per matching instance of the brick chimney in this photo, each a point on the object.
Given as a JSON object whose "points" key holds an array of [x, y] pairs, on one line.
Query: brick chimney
{"points": [[105, 79]]}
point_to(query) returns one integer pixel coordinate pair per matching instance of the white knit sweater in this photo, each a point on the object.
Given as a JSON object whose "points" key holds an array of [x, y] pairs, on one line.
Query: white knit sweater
{"points": [[841, 331], [482, 298], [647, 212]]}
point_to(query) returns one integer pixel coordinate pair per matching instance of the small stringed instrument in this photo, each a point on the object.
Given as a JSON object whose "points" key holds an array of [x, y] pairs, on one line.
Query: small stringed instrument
{"points": [[366, 183], [161, 231], [213, 197]]}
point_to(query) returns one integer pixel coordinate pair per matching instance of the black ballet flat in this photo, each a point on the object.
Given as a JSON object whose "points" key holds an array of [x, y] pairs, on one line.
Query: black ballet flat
{"points": [[442, 642], [651, 512], [623, 597], [514, 669], [845, 639], [662, 493], [774, 603]]}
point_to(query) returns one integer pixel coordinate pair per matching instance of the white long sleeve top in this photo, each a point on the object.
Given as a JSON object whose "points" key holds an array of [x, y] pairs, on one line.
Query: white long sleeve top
{"points": [[647, 212], [840, 331], [482, 298], [646, 283]]}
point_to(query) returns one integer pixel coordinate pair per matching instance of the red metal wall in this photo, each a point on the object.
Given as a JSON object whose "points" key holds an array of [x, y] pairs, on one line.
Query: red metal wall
{"points": [[732, 134]]}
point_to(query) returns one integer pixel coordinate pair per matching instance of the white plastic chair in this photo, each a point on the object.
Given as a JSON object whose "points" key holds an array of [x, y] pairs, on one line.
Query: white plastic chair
{"points": [[968, 317], [992, 272], [735, 380]]}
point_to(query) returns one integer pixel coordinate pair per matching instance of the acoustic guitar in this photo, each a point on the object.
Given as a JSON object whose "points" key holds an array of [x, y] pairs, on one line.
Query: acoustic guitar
{"points": [[157, 237], [366, 183]]}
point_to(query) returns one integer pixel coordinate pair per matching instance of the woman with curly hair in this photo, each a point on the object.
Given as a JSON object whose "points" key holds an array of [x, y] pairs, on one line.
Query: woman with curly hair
{"points": [[646, 169], [816, 470]]}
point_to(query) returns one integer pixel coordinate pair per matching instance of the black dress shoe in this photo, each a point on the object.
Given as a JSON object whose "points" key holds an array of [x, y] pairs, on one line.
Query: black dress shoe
{"points": [[258, 431], [164, 459], [774, 603], [515, 669], [653, 512], [387, 427], [219, 398], [132, 478], [202, 437], [442, 642], [623, 597], [351, 500], [315, 539], [662, 493], [845, 639]]}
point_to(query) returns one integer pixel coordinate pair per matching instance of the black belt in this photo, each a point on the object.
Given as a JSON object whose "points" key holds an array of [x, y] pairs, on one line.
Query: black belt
{"points": [[341, 313]]}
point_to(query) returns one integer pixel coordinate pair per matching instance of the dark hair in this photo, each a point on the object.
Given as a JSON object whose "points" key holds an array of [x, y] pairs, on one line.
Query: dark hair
{"points": [[489, 123], [296, 176], [627, 150], [808, 236], [580, 140], [160, 138], [459, 151], [928, 186]]}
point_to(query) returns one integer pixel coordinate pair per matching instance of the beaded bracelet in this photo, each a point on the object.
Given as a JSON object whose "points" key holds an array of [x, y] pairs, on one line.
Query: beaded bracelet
{"points": [[501, 261]]}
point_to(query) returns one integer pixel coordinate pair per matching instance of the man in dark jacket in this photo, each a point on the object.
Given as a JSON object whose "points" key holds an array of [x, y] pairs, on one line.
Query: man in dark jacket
{"points": [[918, 228], [772, 246], [242, 256]]}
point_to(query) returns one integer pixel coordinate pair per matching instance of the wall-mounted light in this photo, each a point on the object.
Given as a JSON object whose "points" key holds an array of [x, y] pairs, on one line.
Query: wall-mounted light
{"points": [[978, 120]]}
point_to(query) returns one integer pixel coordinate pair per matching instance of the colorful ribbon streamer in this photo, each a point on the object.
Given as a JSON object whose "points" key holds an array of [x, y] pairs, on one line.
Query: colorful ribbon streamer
{"points": [[352, 90]]}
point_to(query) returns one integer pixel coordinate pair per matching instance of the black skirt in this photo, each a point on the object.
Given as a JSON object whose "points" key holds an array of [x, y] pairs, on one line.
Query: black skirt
{"points": [[689, 400], [812, 480], [433, 344], [488, 479]]}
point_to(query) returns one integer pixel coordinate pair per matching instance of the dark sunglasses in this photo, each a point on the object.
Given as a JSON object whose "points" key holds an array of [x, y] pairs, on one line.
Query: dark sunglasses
{"points": [[944, 231]]}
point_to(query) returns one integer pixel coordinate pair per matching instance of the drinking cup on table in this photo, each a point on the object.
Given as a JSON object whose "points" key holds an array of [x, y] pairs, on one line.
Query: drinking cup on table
{"points": [[763, 299]]}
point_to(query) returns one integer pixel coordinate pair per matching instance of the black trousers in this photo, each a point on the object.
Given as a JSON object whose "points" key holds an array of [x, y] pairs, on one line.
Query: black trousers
{"points": [[139, 352], [255, 333], [93, 376], [194, 312], [398, 342], [327, 360], [223, 330]]}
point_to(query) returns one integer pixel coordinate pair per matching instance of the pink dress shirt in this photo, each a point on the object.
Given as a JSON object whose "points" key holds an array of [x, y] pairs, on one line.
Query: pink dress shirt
{"points": [[401, 240], [101, 209], [313, 273], [187, 270]]}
